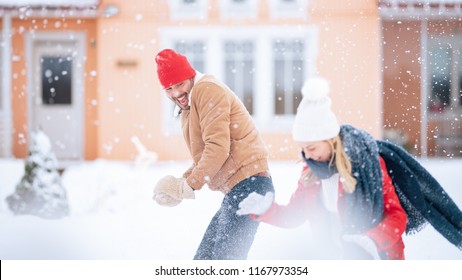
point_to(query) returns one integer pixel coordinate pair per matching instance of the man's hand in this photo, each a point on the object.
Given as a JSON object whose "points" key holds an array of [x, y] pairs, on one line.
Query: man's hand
{"points": [[170, 191]]}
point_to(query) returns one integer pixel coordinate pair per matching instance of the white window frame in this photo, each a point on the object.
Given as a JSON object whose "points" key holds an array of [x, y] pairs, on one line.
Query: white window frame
{"points": [[280, 9], [179, 10], [263, 36], [230, 9]]}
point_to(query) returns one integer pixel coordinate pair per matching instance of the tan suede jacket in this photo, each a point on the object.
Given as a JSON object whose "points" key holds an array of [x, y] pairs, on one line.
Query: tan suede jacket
{"points": [[223, 141]]}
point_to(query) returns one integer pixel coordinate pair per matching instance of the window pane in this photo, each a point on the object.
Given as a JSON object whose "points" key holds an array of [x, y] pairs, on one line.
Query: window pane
{"points": [[298, 83], [440, 63], [459, 55], [240, 70], [288, 75], [279, 86], [56, 79]]}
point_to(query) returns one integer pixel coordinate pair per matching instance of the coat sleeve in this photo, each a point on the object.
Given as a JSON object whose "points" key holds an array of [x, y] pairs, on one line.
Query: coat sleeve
{"points": [[389, 231], [189, 171], [297, 211]]}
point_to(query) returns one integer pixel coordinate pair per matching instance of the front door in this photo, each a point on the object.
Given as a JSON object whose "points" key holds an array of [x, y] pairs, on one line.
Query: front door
{"points": [[57, 92]]}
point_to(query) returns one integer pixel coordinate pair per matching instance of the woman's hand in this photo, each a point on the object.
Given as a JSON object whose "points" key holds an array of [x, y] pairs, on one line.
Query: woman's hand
{"points": [[255, 203]]}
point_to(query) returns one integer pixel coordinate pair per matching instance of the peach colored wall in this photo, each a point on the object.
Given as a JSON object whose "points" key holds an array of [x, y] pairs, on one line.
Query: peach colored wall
{"points": [[130, 100], [129, 97], [19, 80], [349, 55]]}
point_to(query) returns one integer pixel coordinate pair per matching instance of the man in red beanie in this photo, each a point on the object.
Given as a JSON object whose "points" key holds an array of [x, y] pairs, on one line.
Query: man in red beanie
{"points": [[227, 150]]}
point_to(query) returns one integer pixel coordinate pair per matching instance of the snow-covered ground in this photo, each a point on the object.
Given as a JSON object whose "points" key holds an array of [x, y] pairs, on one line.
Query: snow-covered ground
{"points": [[113, 217]]}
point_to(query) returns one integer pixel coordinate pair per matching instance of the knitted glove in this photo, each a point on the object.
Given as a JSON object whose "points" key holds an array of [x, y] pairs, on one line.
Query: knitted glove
{"points": [[365, 243], [170, 191], [255, 203]]}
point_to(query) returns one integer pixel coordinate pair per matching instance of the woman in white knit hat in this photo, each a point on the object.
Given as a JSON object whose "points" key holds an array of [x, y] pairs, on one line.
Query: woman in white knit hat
{"points": [[356, 207], [349, 185]]}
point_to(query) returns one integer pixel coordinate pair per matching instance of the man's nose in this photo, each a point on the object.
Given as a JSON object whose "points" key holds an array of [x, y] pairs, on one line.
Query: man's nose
{"points": [[176, 93]]}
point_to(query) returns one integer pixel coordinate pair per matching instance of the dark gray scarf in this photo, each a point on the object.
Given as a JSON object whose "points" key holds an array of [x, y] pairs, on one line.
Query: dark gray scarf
{"points": [[363, 207], [421, 196]]}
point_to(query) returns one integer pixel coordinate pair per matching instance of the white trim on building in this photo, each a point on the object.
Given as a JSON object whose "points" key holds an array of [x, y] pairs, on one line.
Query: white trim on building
{"points": [[49, 8]]}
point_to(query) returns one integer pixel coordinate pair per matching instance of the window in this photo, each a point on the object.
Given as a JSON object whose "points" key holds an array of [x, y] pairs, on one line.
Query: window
{"points": [[56, 72], [240, 70], [238, 9], [441, 61], [288, 75], [445, 92], [288, 9], [188, 9], [265, 67]]}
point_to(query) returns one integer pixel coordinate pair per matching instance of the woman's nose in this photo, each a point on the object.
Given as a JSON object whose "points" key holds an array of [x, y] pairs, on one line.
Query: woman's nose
{"points": [[307, 154]]}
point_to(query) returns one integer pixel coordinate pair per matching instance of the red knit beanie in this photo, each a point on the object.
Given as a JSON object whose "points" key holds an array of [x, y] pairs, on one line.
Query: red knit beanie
{"points": [[173, 68]]}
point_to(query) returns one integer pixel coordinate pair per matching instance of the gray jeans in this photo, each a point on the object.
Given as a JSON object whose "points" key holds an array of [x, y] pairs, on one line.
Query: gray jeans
{"points": [[229, 236]]}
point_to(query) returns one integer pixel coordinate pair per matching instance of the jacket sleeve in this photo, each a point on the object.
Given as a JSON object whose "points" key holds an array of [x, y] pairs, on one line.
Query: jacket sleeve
{"points": [[189, 171], [393, 224], [297, 211]]}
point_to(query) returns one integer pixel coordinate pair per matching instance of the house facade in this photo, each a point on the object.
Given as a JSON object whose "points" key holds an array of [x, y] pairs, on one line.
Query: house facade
{"points": [[84, 71], [422, 74]]}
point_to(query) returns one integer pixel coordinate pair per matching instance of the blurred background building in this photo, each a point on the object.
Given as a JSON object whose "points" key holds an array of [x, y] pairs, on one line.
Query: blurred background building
{"points": [[84, 72]]}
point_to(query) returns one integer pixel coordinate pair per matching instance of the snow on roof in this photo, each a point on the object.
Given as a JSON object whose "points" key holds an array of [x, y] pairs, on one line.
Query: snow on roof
{"points": [[50, 8], [416, 9], [50, 3]]}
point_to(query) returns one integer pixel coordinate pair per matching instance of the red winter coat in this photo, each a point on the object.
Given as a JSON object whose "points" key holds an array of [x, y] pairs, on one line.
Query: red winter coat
{"points": [[387, 235]]}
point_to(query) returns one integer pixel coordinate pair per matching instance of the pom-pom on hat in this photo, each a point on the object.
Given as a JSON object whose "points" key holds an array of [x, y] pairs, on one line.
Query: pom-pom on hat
{"points": [[315, 120], [173, 68]]}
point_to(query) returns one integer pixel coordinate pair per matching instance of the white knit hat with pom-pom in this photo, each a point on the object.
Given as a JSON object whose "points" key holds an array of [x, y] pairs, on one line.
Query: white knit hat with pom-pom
{"points": [[315, 120]]}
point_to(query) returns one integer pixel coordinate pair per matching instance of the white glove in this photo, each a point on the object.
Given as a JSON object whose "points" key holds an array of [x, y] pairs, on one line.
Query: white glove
{"points": [[364, 242], [170, 191], [255, 203]]}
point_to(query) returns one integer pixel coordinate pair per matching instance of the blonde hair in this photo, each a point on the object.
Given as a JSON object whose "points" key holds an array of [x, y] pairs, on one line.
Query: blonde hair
{"points": [[342, 163]]}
